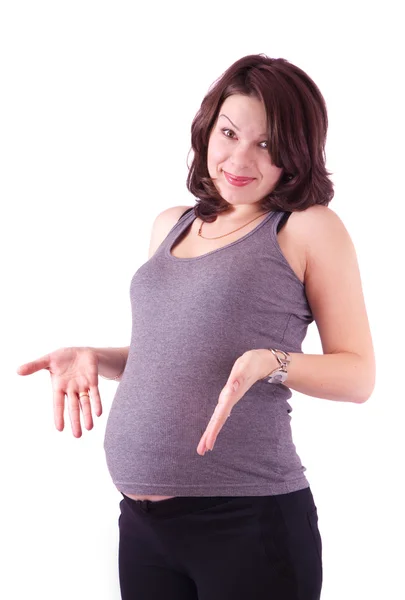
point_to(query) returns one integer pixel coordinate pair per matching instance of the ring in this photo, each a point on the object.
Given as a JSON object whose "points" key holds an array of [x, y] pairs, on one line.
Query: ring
{"points": [[83, 394]]}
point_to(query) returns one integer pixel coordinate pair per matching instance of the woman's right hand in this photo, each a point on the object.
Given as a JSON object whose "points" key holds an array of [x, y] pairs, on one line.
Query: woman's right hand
{"points": [[73, 370]]}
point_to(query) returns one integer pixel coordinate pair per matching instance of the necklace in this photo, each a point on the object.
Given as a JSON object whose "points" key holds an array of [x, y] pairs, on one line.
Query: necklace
{"points": [[225, 234]]}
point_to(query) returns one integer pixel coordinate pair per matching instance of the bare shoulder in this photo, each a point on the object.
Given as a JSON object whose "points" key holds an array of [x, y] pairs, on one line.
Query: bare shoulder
{"points": [[162, 224], [296, 236], [315, 225], [312, 232], [329, 252]]}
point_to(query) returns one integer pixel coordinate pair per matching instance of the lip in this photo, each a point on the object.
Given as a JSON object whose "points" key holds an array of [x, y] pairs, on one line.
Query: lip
{"points": [[237, 180]]}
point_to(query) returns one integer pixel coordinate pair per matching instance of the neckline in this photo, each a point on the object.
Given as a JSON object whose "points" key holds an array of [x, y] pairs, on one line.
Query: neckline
{"points": [[192, 258]]}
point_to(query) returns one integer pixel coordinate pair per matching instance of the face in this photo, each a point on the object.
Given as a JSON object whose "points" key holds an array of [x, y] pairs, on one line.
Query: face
{"points": [[238, 145]]}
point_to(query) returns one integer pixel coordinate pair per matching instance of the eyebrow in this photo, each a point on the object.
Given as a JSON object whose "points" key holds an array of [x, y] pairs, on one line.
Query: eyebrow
{"points": [[236, 127]]}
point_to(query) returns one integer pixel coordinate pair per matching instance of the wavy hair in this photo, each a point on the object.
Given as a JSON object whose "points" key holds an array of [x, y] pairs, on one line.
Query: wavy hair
{"points": [[297, 128]]}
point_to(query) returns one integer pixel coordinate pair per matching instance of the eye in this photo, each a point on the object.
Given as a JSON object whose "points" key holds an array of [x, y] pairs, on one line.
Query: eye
{"points": [[225, 130]]}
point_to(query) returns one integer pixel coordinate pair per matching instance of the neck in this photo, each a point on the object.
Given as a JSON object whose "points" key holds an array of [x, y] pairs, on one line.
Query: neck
{"points": [[241, 213]]}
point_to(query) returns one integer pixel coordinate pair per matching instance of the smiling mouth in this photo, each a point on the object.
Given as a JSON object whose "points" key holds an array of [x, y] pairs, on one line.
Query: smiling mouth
{"points": [[236, 178], [238, 181]]}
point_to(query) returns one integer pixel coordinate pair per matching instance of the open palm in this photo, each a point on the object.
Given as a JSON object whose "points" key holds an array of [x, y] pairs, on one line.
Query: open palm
{"points": [[72, 370]]}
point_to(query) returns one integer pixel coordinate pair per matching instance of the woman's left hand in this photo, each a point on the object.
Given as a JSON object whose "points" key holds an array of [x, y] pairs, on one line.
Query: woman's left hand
{"points": [[248, 368]]}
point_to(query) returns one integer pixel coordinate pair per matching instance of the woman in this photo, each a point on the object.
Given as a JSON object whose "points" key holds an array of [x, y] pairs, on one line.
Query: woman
{"points": [[220, 311]]}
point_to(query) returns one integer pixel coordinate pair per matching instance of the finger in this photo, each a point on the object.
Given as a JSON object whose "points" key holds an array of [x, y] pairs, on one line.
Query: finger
{"points": [[58, 408], [35, 365], [204, 444], [74, 413], [221, 413], [96, 400], [202, 448], [84, 402]]}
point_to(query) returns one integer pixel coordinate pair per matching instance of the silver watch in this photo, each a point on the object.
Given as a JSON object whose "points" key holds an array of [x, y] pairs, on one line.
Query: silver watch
{"points": [[280, 373]]}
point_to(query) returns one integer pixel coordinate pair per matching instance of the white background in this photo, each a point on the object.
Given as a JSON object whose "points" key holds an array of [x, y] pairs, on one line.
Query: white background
{"points": [[96, 104]]}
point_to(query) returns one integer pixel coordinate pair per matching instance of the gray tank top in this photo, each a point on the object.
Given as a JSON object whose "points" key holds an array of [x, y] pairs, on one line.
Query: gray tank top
{"points": [[191, 319]]}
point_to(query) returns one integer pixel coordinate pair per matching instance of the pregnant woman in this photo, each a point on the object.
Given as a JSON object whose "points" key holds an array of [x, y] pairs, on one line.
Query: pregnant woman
{"points": [[215, 501]]}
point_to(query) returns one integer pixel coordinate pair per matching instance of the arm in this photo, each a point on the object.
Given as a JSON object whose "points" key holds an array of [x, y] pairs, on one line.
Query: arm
{"points": [[346, 370]]}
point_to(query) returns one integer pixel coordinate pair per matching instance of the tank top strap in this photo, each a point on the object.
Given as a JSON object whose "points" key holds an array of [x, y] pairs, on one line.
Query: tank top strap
{"points": [[186, 212], [180, 225], [278, 220]]}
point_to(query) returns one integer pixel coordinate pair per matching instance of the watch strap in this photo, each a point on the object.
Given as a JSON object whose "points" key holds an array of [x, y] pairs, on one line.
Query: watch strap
{"points": [[279, 374]]}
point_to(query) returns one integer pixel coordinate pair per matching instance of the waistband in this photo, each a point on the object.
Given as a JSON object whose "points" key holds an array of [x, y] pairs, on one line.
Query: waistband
{"points": [[182, 505], [177, 505]]}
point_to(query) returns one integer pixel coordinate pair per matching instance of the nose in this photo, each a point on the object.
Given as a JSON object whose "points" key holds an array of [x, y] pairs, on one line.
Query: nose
{"points": [[241, 158]]}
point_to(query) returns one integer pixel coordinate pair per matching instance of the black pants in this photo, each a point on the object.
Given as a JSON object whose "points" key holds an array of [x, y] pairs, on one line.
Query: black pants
{"points": [[221, 548]]}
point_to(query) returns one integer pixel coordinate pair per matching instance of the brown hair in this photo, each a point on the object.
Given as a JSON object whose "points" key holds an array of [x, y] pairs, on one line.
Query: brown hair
{"points": [[297, 120]]}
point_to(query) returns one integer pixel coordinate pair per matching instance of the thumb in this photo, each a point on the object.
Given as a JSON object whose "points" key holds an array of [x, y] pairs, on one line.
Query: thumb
{"points": [[34, 366]]}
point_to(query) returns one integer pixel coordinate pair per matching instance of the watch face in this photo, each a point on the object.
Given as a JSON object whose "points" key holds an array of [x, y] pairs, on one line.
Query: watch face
{"points": [[279, 377]]}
